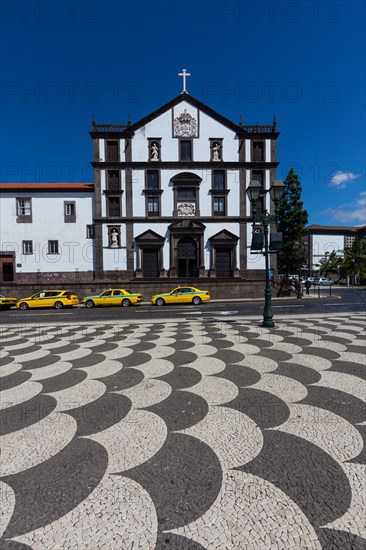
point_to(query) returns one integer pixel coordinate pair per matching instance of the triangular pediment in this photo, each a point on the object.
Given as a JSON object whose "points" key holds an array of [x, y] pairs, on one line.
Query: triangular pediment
{"points": [[185, 98], [224, 236], [150, 236]]}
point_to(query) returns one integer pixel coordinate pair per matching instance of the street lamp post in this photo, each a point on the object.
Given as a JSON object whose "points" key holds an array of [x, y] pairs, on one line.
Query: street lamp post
{"points": [[254, 191]]}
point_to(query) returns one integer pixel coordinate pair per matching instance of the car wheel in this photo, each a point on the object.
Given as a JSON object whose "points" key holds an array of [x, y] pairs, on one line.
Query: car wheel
{"points": [[58, 305], [23, 306], [126, 302], [196, 300], [160, 302], [89, 304]]}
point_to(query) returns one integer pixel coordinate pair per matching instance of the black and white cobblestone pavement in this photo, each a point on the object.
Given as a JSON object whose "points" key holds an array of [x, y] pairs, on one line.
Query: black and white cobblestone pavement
{"points": [[192, 434]]}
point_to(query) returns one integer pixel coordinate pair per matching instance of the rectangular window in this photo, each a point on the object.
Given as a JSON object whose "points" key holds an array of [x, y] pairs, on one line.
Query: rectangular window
{"points": [[69, 212], [24, 210], [112, 151], [27, 247], [219, 206], [152, 179], [90, 231], [53, 247], [258, 151], [218, 179], [183, 193], [24, 207], [113, 180], [114, 207], [185, 149], [153, 206]]}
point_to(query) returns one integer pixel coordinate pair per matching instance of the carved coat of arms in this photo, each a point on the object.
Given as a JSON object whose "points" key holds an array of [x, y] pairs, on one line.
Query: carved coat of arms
{"points": [[186, 209], [185, 125]]}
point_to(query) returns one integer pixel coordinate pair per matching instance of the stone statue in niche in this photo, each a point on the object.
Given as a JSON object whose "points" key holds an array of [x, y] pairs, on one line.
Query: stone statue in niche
{"points": [[154, 151], [216, 151], [114, 238]]}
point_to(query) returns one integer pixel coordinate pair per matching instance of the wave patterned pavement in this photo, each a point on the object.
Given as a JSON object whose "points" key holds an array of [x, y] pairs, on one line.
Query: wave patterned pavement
{"points": [[199, 434]]}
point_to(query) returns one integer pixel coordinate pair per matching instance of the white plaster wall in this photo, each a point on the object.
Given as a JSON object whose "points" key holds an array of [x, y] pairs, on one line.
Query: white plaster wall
{"points": [[139, 199], [103, 186], [101, 150], [162, 127], [268, 150], [48, 224], [247, 150]]}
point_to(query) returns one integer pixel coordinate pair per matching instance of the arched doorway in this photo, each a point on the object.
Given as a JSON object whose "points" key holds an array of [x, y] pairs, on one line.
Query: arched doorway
{"points": [[187, 257]]}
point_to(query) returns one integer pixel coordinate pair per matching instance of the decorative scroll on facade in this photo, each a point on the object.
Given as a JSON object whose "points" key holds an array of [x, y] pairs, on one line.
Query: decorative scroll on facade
{"points": [[185, 125]]}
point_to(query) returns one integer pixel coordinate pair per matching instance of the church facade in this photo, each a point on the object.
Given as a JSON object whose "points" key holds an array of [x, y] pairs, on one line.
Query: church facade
{"points": [[168, 201], [170, 192]]}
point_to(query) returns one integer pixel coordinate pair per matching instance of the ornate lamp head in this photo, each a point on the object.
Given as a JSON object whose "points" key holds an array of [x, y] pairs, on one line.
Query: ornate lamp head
{"points": [[254, 189]]}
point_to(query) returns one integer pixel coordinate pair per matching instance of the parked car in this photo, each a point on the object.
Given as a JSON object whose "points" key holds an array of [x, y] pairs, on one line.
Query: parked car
{"points": [[181, 295], [49, 298], [7, 303], [113, 297], [325, 281], [313, 280]]}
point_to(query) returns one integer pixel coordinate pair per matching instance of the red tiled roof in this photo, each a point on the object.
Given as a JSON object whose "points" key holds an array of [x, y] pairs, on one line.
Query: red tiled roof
{"points": [[47, 186]]}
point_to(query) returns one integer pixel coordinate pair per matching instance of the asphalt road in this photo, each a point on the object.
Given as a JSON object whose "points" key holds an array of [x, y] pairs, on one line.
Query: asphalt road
{"points": [[342, 300]]}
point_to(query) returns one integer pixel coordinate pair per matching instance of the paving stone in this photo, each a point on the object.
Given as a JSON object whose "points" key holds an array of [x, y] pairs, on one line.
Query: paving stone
{"points": [[192, 435]]}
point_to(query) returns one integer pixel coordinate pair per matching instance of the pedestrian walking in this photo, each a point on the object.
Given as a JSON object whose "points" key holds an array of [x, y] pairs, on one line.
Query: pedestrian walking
{"points": [[307, 286]]}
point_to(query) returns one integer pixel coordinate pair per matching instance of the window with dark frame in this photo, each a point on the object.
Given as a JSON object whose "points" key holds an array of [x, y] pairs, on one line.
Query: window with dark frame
{"points": [[185, 149], [90, 233], [152, 182], [114, 207], [112, 151], [53, 247], [69, 209], [258, 151], [113, 180], [257, 175], [218, 180], [153, 206], [219, 204], [24, 207], [186, 193], [27, 247]]}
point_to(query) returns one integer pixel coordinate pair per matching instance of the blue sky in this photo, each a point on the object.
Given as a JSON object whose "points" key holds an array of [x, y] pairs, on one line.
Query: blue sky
{"points": [[301, 60]]}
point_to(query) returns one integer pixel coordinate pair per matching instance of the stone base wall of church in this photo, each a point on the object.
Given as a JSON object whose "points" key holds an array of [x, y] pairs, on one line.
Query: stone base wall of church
{"points": [[83, 283]]}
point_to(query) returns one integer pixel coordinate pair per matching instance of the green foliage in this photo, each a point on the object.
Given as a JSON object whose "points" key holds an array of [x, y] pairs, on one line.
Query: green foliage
{"points": [[292, 220], [330, 264], [354, 261]]}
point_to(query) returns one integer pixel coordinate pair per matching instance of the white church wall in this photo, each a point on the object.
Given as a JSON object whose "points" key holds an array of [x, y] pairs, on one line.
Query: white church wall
{"points": [[139, 200], [268, 150], [101, 150]]}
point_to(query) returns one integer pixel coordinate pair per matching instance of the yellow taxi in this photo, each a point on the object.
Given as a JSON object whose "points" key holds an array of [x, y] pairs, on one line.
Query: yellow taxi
{"points": [[7, 303], [49, 298], [113, 297], [181, 295]]}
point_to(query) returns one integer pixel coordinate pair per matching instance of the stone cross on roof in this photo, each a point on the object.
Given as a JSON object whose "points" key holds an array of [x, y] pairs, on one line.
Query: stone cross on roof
{"points": [[184, 74]]}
